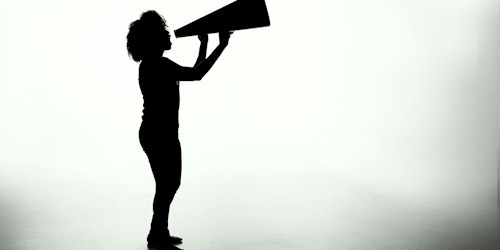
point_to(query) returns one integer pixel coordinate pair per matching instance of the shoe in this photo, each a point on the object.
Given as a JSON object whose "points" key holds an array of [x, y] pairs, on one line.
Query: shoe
{"points": [[173, 240]]}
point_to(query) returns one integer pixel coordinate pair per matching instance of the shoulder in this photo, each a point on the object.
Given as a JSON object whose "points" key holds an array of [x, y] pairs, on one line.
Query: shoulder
{"points": [[169, 63], [158, 63], [149, 69], [151, 65]]}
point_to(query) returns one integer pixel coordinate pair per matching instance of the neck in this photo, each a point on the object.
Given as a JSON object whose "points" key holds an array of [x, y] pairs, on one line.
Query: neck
{"points": [[154, 55]]}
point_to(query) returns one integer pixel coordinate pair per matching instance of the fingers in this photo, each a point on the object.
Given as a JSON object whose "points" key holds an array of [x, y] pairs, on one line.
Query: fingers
{"points": [[203, 37], [226, 32]]}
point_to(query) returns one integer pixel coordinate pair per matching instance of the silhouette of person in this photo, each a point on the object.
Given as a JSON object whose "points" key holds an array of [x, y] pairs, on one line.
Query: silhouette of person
{"points": [[159, 78]]}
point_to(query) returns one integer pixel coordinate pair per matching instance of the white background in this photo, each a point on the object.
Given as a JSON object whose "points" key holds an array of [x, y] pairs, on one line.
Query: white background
{"points": [[345, 123]]}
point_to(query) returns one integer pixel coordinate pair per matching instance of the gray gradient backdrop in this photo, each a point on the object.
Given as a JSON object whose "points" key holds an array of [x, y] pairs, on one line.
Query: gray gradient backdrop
{"points": [[365, 124]]}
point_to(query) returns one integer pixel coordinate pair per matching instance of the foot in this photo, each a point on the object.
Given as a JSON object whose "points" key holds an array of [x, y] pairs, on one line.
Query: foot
{"points": [[175, 240], [172, 240]]}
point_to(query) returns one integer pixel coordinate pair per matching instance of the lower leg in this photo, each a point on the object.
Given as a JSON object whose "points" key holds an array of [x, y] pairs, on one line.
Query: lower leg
{"points": [[159, 224]]}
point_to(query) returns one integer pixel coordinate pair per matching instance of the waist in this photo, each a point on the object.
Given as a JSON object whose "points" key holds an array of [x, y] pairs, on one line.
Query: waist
{"points": [[148, 121], [159, 130]]}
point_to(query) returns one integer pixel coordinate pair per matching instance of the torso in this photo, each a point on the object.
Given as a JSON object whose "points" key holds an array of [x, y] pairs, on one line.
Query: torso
{"points": [[160, 92]]}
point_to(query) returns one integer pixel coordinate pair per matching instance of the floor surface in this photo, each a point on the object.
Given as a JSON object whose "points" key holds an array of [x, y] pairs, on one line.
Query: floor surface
{"points": [[296, 211]]}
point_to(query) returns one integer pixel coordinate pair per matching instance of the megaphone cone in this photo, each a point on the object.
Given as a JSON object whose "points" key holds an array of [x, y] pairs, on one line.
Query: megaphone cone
{"points": [[241, 14]]}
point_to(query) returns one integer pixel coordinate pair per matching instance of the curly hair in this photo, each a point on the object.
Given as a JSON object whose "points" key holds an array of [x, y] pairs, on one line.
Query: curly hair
{"points": [[144, 35]]}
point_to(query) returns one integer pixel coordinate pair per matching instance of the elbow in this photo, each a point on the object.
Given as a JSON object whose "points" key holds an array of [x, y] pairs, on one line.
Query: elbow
{"points": [[197, 75]]}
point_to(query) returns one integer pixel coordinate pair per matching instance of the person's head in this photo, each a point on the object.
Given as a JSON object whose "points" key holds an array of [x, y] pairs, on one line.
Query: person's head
{"points": [[148, 36]]}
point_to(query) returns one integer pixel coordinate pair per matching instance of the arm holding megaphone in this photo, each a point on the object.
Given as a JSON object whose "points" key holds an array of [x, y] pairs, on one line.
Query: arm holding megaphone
{"points": [[238, 15], [203, 65], [202, 54]]}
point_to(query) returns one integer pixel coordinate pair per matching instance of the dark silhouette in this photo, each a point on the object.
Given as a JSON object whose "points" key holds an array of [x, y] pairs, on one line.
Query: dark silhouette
{"points": [[238, 15], [159, 79]]}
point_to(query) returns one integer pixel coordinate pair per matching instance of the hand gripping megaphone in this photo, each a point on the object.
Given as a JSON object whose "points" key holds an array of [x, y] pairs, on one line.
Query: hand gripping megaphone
{"points": [[241, 14]]}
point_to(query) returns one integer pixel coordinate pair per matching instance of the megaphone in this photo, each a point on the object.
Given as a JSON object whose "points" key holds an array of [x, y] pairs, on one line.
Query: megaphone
{"points": [[241, 14]]}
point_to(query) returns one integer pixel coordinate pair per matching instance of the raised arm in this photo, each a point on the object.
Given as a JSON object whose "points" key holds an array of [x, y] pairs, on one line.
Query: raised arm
{"points": [[202, 54], [197, 72]]}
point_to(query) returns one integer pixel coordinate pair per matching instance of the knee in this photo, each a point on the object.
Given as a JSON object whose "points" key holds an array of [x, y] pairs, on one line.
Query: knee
{"points": [[168, 186], [175, 185]]}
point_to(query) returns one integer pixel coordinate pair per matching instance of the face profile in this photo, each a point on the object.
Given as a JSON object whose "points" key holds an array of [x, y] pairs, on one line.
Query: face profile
{"points": [[166, 40]]}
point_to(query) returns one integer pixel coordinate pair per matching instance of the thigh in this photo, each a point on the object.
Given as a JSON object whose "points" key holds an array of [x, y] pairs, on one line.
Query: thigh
{"points": [[166, 164], [157, 140], [164, 154]]}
